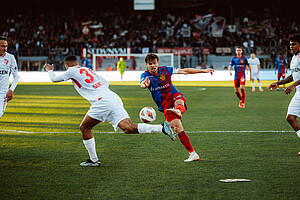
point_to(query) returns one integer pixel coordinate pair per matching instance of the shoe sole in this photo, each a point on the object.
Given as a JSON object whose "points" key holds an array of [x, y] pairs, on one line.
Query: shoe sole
{"points": [[167, 129]]}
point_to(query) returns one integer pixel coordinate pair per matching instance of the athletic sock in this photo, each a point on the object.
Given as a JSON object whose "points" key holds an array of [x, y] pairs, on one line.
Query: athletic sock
{"points": [[259, 85], [181, 108], [243, 96], [238, 95], [149, 128], [185, 141], [253, 85], [91, 148], [298, 133]]}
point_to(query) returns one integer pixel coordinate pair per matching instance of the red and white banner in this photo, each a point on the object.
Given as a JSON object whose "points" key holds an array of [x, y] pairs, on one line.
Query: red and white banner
{"points": [[176, 51], [85, 28]]}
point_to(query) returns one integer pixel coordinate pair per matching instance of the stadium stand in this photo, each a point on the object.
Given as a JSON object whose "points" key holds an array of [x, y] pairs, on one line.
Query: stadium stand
{"points": [[52, 35]]}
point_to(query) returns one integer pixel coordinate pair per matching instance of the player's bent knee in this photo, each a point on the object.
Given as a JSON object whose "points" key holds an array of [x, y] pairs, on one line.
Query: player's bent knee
{"points": [[290, 118]]}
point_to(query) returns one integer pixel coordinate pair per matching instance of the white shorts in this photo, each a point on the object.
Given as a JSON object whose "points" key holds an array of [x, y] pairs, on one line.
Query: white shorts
{"points": [[109, 109], [255, 74], [294, 107], [3, 103]]}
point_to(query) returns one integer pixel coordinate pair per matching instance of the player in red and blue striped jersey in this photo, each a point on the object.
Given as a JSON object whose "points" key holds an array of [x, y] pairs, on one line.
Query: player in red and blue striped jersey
{"points": [[168, 99], [240, 64], [281, 64]]}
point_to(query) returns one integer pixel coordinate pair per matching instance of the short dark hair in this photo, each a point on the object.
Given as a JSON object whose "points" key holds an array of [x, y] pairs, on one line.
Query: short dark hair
{"points": [[151, 56], [239, 47], [295, 37], [71, 59], [3, 38]]}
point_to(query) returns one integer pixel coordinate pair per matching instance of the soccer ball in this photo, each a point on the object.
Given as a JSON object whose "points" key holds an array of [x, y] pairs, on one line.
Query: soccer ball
{"points": [[147, 115]]}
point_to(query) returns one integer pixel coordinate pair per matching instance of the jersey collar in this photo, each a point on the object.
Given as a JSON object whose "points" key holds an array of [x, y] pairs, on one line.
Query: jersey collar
{"points": [[3, 55]]}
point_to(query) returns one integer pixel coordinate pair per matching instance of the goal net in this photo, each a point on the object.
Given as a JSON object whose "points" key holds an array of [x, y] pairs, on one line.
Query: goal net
{"points": [[104, 62]]}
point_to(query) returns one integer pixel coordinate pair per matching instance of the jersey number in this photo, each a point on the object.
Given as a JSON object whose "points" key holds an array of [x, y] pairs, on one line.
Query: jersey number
{"points": [[88, 74]]}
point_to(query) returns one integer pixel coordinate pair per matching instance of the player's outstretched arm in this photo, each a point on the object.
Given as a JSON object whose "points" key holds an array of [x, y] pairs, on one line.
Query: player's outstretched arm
{"points": [[54, 78], [274, 85], [195, 71]]}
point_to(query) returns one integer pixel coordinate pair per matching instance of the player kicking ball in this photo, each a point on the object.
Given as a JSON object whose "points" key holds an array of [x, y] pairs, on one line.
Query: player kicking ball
{"points": [[294, 107], [168, 99], [105, 106]]}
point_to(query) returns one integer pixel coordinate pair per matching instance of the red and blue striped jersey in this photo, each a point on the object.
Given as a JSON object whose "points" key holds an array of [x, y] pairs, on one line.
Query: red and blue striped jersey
{"points": [[281, 64], [239, 66], [161, 86]]}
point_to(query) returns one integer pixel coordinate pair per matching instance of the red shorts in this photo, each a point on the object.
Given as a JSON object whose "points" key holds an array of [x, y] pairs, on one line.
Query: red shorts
{"points": [[240, 81], [170, 104], [281, 75]]}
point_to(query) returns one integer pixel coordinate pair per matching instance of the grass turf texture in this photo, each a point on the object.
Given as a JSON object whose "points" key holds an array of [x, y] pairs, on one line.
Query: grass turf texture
{"points": [[40, 159]]}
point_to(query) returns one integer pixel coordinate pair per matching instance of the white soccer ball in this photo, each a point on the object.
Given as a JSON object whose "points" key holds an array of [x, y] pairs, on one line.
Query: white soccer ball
{"points": [[147, 115]]}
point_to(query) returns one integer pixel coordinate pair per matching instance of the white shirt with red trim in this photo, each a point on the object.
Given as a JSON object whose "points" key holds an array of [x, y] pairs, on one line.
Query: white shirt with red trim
{"points": [[295, 67], [88, 84], [8, 65]]}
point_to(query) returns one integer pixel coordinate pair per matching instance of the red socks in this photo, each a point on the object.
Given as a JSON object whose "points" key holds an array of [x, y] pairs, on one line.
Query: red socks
{"points": [[238, 95], [181, 108], [243, 96], [185, 141]]}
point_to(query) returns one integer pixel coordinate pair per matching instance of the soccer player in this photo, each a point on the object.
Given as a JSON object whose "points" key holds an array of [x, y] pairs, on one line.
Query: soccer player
{"points": [[121, 66], [168, 99], [255, 68], [294, 107], [8, 65], [87, 61], [106, 106], [281, 64], [240, 64]]}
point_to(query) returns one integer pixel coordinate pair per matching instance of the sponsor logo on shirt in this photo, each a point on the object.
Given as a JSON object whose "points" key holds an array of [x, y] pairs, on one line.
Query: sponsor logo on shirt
{"points": [[160, 87], [3, 72]]}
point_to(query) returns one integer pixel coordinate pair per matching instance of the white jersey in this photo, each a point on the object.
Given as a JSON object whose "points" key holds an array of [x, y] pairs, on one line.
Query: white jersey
{"points": [[295, 68], [8, 65], [254, 64], [88, 84]]}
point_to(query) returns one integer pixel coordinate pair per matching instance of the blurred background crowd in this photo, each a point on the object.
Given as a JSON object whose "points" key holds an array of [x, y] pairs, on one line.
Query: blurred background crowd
{"points": [[44, 28]]}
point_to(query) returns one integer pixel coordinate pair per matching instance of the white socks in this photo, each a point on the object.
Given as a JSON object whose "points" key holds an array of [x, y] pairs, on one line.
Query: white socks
{"points": [[259, 85], [148, 128], [91, 148], [298, 133], [253, 85]]}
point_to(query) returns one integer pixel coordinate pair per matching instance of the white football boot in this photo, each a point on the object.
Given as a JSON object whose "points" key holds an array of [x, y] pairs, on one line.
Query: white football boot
{"points": [[193, 157]]}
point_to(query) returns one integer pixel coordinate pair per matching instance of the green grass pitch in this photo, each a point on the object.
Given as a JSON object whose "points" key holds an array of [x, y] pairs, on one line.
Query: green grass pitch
{"points": [[41, 148]]}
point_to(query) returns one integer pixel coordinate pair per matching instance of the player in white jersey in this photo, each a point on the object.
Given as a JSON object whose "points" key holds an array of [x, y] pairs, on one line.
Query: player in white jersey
{"points": [[294, 107], [8, 65], [255, 68], [105, 106]]}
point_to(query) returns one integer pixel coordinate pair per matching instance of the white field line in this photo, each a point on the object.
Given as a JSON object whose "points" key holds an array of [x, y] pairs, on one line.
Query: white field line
{"points": [[6, 130]]}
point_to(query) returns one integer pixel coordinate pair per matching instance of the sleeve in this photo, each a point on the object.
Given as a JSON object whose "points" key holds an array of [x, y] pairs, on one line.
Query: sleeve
{"points": [[143, 76], [63, 77], [231, 62], [246, 61], [285, 61], [14, 71], [175, 70], [258, 61]]}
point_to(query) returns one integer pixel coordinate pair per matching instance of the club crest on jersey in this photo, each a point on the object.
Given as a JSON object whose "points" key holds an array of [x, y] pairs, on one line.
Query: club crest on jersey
{"points": [[162, 77], [242, 61], [6, 61]]}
